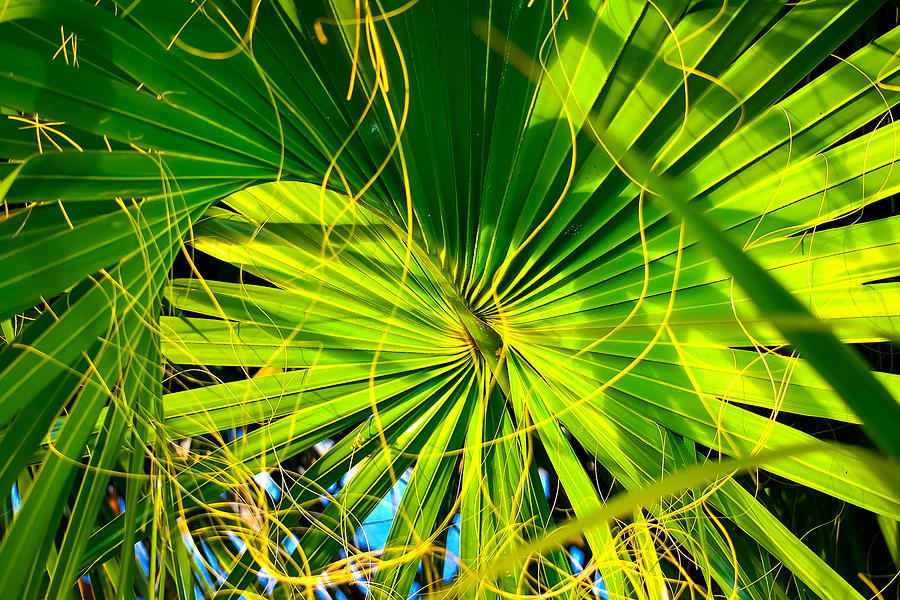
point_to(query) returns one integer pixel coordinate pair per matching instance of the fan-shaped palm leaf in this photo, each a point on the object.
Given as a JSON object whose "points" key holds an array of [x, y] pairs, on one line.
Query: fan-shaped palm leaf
{"points": [[455, 268]]}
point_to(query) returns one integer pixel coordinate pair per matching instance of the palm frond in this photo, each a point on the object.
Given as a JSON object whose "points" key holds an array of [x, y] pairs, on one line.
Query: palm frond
{"points": [[263, 262]]}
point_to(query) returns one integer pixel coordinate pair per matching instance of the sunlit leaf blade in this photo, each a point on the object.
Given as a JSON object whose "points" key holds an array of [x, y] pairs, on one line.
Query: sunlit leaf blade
{"points": [[268, 268]]}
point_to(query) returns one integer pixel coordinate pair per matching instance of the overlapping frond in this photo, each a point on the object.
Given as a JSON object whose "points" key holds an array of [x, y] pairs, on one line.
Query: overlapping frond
{"points": [[262, 263]]}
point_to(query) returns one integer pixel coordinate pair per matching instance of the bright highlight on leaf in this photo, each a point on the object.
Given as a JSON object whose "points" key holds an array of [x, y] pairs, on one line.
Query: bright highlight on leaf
{"points": [[449, 299]]}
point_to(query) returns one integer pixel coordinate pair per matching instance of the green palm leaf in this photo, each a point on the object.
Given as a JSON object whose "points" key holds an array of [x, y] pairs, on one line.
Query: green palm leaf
{"points": [[475, 249]]}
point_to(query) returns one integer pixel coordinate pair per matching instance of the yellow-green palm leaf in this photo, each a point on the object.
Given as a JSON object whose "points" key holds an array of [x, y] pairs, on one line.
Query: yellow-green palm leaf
{"points": [[475, 247]]}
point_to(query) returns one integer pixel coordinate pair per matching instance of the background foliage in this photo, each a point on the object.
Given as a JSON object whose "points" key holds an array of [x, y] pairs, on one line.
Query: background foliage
{"points": [[531, 271]]}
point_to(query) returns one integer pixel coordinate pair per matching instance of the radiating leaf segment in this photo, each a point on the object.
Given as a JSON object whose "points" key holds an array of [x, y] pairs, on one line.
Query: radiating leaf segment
{"points": [[463, 244]]}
